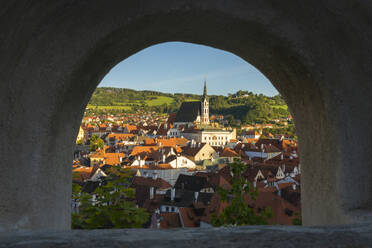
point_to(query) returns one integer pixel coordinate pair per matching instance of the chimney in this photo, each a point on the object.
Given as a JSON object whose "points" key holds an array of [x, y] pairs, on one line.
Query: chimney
{"points": [[196, 194], [173, 194], [151, 192]]}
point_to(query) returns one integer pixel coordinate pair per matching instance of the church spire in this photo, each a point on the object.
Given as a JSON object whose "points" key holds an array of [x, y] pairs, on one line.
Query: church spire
{"points": [[205, 105], [205, 89]]}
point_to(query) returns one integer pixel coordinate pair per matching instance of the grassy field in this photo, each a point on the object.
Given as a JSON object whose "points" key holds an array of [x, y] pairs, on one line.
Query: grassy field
{"points": [[109, 107], [191, 100], [125, 106], [280, 106], [160, 100]]}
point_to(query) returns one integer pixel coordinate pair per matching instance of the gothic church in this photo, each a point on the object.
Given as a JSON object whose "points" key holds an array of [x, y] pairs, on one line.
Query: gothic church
{"points": [[193, 113]]}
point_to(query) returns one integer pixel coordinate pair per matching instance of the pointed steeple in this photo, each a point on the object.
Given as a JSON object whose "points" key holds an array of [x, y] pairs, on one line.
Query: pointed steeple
{"points": [[205, 89], [204, 105]]}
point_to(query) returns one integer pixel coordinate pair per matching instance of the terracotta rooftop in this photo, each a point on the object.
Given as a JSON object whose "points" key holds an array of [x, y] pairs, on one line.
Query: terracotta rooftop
{"points": [[150, 182]]}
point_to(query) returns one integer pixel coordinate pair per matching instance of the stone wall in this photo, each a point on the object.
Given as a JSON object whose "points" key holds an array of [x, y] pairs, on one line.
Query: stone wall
{"points": [[255, 237], [54, 54]]}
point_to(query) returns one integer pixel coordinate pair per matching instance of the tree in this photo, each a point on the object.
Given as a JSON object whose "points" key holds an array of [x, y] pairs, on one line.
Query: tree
{"points": [[238, 212], [111, 207], [298, 220], [95, 142], [231, 119]]}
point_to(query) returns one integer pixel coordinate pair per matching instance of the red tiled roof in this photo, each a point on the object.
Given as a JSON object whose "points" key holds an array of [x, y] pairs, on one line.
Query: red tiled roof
{"points": [[113, 158], [227, 152], [141, 150], [189, 217], [173, 142], [170, 220], [150, 182], [120, 136]]}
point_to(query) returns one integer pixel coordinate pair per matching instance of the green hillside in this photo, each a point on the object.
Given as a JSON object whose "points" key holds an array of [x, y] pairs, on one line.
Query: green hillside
{"points": [[242, 105], [160, 100]]}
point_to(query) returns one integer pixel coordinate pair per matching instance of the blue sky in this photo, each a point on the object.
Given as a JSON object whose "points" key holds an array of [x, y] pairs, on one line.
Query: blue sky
{"points": [[178, 67]]}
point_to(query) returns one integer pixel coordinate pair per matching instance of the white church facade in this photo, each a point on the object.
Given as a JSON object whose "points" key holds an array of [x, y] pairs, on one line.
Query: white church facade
{"points": [[194, 117]]}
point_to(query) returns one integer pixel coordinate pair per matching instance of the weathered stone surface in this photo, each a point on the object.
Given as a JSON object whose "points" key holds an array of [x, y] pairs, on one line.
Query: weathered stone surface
{"points": [[54, 54], [274, 236]]}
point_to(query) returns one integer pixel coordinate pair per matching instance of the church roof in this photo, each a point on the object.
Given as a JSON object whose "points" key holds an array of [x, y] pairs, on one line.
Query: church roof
{"points": [[188, 112]]}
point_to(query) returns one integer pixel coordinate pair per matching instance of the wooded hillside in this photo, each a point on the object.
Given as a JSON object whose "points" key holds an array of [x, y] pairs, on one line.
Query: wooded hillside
{"points": [[243, 105]]}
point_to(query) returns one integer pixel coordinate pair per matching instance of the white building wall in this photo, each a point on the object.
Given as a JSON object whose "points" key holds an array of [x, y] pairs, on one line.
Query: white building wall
{"points": [[182, 162], [213, 138]]}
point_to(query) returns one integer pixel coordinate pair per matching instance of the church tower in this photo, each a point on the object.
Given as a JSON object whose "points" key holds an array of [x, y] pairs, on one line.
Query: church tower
{"points": [[205, 106]]}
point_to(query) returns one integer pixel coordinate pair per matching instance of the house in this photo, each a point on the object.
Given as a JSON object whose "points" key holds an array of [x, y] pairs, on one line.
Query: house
{"points": [[176, 198], [81, 135], [199, 151], [83, 174], [114, 138], [167, 173], [193, 183], [226, 155], [215, 179], [212, 136], [130, 129], [174, 132], [263, 152], [179, 161], [283, 211], [113, 158], [147, 188], [172, 142], [274, 142], [97, 158], [252, 134]]}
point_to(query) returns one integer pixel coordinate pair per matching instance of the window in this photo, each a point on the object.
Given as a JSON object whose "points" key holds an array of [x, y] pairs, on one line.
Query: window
{"points": [[167, 209]]}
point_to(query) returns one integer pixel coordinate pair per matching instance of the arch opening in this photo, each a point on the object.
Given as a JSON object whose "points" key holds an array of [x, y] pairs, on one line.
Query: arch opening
{"points": [[138, 127], [274, 59]]}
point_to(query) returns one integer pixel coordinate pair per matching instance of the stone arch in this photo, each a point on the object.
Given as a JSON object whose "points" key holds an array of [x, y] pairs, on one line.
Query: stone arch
{"points": [[56, 54]]}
